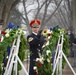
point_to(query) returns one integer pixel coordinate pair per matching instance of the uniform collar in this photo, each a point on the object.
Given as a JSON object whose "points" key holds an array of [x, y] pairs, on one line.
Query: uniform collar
{"points": [[34, 33]]}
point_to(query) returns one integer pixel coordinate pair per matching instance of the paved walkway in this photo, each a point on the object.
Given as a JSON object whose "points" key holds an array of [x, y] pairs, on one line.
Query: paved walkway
{"points": [[67, 70], [26, 64]]}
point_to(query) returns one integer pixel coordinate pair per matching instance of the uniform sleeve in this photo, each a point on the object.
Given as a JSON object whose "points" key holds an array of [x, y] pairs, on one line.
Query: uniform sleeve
{"points": [[33, 40]]}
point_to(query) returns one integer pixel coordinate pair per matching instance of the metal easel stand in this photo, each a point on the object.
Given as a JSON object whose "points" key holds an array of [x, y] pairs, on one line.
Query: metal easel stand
{"points": [[14, 59], [57, 65]]}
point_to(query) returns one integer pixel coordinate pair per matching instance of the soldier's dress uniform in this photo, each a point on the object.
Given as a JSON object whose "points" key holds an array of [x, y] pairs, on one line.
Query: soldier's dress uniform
{"points": [[35, 42]]}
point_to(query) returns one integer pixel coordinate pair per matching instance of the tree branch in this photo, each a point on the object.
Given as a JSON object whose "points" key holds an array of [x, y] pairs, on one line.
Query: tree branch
{"points": [[53, 12]]}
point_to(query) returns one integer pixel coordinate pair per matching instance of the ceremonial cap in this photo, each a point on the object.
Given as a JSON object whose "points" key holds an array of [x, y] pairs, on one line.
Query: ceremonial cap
{"points": [[35, 23]]}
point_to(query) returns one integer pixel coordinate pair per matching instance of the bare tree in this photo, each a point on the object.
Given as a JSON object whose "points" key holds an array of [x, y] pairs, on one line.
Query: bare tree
{"points": [[40, 7], [74, 15], [5, 8], [61, 12]]}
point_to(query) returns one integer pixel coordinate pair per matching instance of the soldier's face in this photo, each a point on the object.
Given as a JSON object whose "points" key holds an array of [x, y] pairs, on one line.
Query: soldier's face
{"points": [[35, 29]]}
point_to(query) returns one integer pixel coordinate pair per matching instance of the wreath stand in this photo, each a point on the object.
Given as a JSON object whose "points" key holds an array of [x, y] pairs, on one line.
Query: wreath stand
{"points": [[14, 59], [57, 65]]}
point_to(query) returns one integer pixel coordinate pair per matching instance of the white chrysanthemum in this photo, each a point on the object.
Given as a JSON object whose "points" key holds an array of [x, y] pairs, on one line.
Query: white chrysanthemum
{"points": [[7, 30], [20, 31], [48, 30], [48, 60], [7, 35], [37, 59], [7, 57], [23, 27], [49, 37], [60, 32], [59, 29], [48, 52], [34, 68], [24, 32]]}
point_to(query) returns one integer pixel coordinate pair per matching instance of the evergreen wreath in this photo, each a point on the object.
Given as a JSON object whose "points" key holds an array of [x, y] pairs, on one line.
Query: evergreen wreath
{"points": [[9, 36], [44, 62]]}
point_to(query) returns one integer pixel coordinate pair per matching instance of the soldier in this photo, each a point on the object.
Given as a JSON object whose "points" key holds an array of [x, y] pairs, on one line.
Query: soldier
{"points": [[36, 41]]}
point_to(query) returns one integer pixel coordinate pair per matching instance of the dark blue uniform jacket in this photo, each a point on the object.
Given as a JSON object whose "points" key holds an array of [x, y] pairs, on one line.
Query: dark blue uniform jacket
{"points": [[35, 42]]}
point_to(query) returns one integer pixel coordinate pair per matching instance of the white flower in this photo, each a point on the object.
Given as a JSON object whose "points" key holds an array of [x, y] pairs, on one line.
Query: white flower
{"points": [[60, 32], [23, 26], [49, 37], [20, 30], [7, 35], [48, 31], [24, 32], [7, 57], [35, 68], [48, 52], [7, 30], [42, 60], [37, 59], [48, 60]]}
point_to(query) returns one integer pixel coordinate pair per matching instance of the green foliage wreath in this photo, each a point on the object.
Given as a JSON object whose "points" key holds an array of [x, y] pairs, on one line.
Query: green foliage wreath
{"points": [[8, 37], [44, 62]]}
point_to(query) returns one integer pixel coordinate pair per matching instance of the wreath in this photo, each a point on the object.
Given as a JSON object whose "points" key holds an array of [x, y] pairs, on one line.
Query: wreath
{"points": [[8, 36], [44, 64]]}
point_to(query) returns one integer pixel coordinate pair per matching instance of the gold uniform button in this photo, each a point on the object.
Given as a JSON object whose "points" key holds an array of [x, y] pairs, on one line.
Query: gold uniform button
{"points": [[39, 44]]}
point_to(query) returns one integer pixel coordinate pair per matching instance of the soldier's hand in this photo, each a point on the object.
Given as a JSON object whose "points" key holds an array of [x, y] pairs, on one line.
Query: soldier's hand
{"points": [[46, 39]]}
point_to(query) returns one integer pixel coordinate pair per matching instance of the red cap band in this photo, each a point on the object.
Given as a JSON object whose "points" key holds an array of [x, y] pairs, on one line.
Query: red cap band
{"points": [[34, 22]]}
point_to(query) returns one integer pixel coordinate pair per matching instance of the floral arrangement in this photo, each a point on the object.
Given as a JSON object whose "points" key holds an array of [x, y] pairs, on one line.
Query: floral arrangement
{"points": [[44, 64], [7, 37]]}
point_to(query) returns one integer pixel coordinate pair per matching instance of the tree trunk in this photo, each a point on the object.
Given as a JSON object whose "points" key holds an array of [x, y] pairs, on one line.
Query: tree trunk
{"points": [[74, 15], [5, 8]]}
